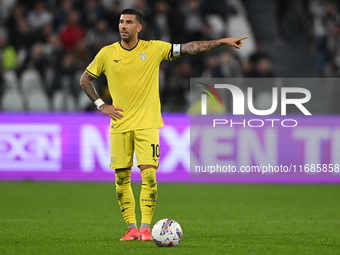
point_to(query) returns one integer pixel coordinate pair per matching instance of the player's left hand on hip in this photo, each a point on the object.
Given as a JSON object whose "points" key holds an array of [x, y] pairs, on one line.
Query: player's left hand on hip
{"points": [[113, 112]]}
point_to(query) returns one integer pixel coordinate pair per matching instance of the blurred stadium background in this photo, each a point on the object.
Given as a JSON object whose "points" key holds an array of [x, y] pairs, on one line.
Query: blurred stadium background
{"points": [[50, 131], [46, 45]]}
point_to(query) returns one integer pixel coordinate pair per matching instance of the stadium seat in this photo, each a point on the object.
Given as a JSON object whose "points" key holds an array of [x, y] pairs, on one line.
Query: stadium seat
{"points": [[12, 100], [63, 102], [83, 101], [37, 101], [217, 25], [10, 80], [239, 25], [76, 79], [31, 82]]}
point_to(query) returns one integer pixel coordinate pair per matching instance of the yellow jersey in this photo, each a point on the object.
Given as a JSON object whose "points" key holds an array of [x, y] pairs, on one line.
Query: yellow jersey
{"points": [[133, 81]]}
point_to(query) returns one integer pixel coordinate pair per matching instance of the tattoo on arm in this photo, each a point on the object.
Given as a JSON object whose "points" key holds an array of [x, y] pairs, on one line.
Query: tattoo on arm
{"points": [[196, 47], [102, 107], [87, 85]]}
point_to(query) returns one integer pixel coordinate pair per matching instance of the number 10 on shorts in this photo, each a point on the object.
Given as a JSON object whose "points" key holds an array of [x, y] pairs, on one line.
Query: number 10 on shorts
{"points": [[155, 150]]}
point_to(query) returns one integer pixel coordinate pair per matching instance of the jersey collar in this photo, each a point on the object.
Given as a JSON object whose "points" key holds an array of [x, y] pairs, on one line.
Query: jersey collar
{"points": [[131, 48]]}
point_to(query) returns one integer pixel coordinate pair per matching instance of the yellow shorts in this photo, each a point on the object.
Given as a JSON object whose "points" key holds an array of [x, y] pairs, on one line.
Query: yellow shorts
{"points": [[144, 141]]}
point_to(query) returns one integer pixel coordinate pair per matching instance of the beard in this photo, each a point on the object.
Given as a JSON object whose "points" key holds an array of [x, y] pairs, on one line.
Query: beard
{"points": [[127, 37]]}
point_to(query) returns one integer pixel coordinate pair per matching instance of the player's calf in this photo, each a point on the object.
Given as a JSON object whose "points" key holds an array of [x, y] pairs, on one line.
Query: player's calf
{"points": [[148, 195]]}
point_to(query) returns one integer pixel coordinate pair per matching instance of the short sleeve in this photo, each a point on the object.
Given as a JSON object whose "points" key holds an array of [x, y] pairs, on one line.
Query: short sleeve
{"points": [[96, 67], [165, 50]]}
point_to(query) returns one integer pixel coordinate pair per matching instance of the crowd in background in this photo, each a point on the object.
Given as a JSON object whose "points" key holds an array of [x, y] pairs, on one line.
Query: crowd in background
{"points": [[59, 38], [325, 17]]}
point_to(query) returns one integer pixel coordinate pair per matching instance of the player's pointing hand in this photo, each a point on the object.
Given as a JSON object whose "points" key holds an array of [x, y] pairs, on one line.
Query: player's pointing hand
{"points": [[112, 111], [235, 41]]}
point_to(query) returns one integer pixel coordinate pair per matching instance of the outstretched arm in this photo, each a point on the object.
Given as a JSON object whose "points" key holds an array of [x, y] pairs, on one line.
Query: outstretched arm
{"points": [[196, 47], [87, 85]]}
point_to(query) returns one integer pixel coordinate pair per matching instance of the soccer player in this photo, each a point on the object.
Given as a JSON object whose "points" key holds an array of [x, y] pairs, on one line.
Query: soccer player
{"points": [[132, 70]]}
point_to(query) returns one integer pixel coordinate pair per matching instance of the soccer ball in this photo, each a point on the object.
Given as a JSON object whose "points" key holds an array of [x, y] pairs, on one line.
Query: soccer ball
{"points": [[167, 232]]}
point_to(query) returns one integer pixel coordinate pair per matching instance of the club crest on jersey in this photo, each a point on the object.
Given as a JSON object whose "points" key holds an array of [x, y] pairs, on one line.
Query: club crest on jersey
{"points": [[142, 55]]}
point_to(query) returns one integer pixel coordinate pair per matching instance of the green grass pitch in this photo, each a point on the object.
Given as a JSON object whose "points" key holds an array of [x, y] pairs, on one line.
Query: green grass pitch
{"points": [[84, 218]]}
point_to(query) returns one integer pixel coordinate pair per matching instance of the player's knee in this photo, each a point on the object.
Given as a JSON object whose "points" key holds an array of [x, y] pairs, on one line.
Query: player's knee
{"points": [[144, 167], [123, 177], [152, 185], [149, 178]]}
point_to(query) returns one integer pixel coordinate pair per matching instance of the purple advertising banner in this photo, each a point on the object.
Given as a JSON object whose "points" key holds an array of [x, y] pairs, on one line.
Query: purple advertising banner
{"points": [[297, 148], [76, 147]]}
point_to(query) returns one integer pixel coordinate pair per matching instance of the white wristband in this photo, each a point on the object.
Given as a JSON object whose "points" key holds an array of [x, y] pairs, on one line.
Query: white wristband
{"points": [[99, 102], [176, 50]]}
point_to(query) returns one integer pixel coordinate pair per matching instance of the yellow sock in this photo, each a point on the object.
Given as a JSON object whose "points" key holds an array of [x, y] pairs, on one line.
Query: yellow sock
{"points": [[148, 194], [125, 196]]}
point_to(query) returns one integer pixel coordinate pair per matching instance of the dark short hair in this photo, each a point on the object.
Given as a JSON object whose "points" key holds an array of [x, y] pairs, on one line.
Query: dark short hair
{"points": [[139, 16]]}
